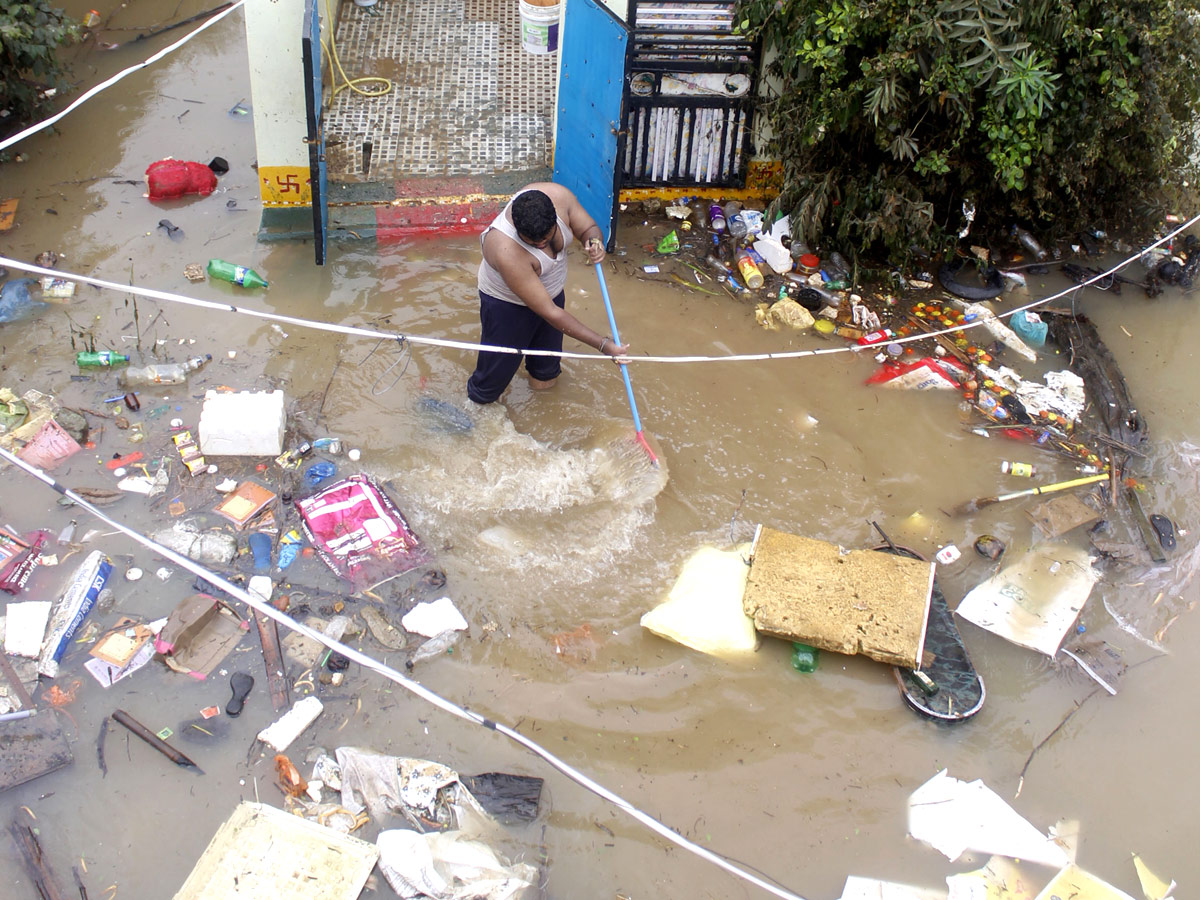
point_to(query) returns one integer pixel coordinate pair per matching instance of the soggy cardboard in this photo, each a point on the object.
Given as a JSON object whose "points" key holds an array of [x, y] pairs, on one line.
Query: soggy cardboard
{"points": [[200, 632]]}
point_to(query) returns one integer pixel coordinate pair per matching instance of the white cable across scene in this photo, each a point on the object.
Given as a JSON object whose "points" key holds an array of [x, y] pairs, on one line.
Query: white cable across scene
{"points": [[408, 684], [104, 85], [564, 354]]}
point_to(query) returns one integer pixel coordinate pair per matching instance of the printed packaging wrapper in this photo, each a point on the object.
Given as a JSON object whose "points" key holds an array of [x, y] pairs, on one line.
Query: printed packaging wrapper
{"points": [[359, 533], [923, 375], [72, 608]]}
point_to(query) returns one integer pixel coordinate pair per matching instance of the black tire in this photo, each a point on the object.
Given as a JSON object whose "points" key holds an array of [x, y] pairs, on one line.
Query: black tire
{"points": [[992, 287]]}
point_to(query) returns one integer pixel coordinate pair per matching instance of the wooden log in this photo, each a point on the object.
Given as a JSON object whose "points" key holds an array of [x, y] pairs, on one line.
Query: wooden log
{"points": [[272, 651], [43, 877]]}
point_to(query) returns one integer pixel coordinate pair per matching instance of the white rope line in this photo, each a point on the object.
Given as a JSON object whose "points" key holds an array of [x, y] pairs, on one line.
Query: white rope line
{"points": [[104, 85], [357, 331], [408, 684]]}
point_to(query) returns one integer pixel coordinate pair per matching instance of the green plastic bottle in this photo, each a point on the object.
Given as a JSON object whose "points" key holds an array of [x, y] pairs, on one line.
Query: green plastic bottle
{"points": [[235, 274], [100, 358], [804, 657]]}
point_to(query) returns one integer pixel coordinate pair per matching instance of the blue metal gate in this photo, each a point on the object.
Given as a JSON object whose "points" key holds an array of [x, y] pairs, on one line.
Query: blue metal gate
{"points": [[587, 137], [310, 44]]}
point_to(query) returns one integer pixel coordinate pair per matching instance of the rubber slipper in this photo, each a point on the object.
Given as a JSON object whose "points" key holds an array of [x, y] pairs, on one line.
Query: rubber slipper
{"points": [[260, 546], [1165, 530], [242, 684]]}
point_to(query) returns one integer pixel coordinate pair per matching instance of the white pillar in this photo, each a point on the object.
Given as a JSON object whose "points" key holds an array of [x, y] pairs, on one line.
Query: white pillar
{"points": [[273, 32]]}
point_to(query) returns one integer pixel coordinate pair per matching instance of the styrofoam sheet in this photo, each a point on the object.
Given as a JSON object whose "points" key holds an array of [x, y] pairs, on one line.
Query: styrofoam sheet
{"points": [[262, 852]]}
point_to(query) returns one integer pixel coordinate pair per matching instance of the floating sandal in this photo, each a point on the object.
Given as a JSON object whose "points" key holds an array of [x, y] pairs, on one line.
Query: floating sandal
{"points": [[1165, 530], [242, 684]]}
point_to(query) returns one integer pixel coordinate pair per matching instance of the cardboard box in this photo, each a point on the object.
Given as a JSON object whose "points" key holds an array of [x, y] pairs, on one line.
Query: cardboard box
{"points": [[200, 632]]}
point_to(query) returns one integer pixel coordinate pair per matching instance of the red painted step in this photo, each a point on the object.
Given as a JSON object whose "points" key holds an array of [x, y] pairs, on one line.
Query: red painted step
{"points": [[437, 206]]}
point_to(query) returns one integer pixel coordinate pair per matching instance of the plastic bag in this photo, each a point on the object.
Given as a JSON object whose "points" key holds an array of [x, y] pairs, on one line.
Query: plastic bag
{"points": [[923, 375], [15, 300], [704, 607], [172, 178], [1029, 327]]}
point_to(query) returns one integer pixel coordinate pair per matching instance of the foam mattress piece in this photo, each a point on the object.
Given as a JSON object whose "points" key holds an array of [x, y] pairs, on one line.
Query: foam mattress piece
{"points": [[845, 601]]}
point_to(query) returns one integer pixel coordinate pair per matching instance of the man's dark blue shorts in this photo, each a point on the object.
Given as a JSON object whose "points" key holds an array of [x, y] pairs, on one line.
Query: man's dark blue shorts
{"points": [[510, 325]]}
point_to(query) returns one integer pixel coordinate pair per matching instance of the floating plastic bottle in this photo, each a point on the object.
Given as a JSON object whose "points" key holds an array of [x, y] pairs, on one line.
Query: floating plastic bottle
{"points": [[100, 358], [804, 657], [750, 271], [163, 373], [716, 218], [235, 274], [715, 263], [1023, 470], [737, 226], [435, 646]]}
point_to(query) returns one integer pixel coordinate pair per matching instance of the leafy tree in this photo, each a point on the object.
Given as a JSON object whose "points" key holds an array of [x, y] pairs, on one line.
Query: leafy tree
{"points": [[888, 115], [30, 33]]}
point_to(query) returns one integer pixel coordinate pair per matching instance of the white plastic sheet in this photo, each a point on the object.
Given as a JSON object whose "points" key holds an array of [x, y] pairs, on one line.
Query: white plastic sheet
{"points": [[25, 627], [1034, 601], [857, 888], [451, 866], [956, 816], [703, 609]]}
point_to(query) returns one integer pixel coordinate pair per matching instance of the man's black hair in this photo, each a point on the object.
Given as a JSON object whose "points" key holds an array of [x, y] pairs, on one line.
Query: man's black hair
{"points": [[533, 214]]}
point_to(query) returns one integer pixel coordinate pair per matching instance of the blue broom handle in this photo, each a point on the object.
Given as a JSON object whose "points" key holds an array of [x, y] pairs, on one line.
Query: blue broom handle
{"points": [[612, 323]]}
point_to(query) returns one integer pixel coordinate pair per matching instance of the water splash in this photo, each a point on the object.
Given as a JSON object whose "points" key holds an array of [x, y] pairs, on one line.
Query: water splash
{"points": [[513, 503]]}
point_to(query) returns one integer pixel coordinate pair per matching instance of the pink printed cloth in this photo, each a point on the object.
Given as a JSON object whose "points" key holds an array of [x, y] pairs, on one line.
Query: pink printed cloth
{"points": [[359, 533]]}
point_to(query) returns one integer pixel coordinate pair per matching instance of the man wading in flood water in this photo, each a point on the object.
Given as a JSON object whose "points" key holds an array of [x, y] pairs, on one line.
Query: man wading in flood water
{"points": [[521, 280]]}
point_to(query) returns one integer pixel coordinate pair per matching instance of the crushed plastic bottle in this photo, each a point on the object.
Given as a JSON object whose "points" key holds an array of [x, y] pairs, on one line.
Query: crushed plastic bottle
{"points": [[435, 646]]}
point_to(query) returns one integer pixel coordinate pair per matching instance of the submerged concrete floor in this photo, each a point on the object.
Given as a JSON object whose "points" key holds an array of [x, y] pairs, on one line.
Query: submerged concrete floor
{"points": [[466, 98]]}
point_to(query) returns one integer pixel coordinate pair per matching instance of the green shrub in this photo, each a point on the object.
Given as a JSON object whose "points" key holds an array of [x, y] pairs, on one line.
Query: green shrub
{"points": [[889, 114], [30, 34]]}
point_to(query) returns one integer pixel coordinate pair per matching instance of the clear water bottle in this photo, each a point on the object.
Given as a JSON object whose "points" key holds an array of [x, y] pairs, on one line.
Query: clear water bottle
{"points": [[163, 373]]}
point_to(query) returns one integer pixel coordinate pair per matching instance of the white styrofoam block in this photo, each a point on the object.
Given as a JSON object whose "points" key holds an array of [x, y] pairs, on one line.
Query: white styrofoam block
{"points": [[242, 424], [282, 732]]}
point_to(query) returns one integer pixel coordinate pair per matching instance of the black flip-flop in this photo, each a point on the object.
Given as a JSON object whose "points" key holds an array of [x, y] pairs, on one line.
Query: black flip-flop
{"points": [[242, 684], [1165, 529]]}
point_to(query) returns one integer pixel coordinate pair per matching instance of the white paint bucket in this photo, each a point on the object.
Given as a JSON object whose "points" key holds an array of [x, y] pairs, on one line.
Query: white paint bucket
{"points": [[539, 26]]}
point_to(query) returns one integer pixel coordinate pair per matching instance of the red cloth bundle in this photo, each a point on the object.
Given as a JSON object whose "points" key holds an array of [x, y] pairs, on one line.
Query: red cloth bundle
{"points": [[171, 178]]}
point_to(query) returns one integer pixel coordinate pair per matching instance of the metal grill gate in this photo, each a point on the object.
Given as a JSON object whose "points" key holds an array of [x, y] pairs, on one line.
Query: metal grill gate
{"points": [[688, 95]]}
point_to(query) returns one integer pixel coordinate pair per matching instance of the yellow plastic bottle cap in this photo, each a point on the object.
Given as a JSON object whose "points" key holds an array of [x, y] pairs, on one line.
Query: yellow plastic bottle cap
{"points": [[823, 327]]}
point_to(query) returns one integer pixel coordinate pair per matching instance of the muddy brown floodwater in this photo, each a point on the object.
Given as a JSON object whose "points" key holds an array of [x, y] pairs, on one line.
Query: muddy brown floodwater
{"points": [[801, 777]]}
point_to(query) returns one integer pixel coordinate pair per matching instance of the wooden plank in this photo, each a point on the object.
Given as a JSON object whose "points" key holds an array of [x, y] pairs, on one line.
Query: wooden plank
{"points": [[40, 873], [268, 633], [846, 601]]}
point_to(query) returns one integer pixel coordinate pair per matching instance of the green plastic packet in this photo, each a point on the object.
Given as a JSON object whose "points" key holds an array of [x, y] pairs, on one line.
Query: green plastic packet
{"points": [[13, 410], [669, 244]]}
